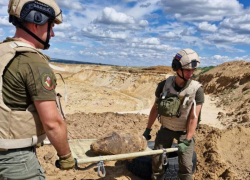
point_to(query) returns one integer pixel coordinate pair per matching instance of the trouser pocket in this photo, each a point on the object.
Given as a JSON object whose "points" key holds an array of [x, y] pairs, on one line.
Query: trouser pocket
{"points": [[21, 165]]}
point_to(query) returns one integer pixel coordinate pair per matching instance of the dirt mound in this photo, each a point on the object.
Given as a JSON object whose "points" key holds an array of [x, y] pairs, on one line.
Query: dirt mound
{"points": [[210, 164], [230, 86], [93, 126], [223, 154], [234, 145], [225, 76], [219, 154]]}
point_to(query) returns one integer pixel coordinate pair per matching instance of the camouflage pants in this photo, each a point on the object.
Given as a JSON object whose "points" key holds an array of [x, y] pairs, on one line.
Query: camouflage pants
{"points": [[164, 139], [20, 164]]}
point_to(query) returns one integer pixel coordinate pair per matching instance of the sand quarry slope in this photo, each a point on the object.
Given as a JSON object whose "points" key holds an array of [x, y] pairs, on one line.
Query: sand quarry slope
{"points": [[96, 93], [229, 85]]}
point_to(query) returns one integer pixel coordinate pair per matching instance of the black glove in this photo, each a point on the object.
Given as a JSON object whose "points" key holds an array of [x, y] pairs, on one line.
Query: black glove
{"points": [[146, 134]]}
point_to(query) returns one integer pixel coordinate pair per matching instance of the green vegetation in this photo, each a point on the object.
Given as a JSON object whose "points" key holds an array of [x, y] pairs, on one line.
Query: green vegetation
{"points": [[202, 70], [227, 91], [127, 69], [237, 98], [206, 69], [225, 103], [224, 92], [153, 69], [246, 92], [235, 86]]}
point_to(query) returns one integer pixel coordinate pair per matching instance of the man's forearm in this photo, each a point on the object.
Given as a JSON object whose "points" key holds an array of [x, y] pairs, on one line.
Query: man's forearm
{"points": [[152, 116], [192, 122], [191, 128], [54, 126], [58, 138]]}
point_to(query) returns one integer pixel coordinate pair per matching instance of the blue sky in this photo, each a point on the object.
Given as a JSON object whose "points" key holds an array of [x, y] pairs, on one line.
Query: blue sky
{"points": [[147, 32]]}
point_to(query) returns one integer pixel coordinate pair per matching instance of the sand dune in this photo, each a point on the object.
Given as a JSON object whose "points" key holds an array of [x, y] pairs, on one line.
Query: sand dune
{"points": [[97, 93]]}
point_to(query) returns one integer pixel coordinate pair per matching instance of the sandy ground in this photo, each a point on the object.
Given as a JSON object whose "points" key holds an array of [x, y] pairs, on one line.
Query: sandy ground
{"points": [[95, 94], [208, 115], [210, 112]]}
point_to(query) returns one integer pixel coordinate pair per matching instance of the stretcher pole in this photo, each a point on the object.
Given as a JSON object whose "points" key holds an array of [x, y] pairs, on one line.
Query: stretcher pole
{"points": [[124, 156]]}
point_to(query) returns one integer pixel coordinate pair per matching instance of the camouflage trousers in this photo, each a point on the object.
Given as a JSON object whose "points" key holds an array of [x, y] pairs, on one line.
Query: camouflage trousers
{"points": [[164, 139], [20, 164]]}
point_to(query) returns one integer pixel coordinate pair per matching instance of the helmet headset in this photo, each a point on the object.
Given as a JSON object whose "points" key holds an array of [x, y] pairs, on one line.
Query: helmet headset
{"points": [[35, 12]]}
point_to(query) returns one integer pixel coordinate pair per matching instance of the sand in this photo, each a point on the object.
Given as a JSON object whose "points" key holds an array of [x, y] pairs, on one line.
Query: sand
{"points": [[97, 93]]}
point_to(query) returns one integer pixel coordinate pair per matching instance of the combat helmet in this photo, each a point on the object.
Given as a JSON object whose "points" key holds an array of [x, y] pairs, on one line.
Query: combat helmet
{"points": [[186, 59], [35, 11]]}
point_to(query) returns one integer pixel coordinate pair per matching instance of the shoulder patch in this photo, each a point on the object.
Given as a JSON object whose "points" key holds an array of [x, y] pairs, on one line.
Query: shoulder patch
{"points": [[46, 79]]}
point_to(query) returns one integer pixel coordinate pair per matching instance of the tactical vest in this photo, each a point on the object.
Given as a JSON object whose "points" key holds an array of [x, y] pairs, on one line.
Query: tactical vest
{"points": [[187, 97], [18, 129]]}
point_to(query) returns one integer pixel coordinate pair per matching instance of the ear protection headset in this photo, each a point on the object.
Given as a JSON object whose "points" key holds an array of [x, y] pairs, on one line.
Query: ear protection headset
{"points": [[176, 64], [37, 13], [38, 17]]}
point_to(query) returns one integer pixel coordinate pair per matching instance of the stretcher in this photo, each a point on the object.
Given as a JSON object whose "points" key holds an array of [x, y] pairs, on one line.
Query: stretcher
{"points": [[80, 149]]}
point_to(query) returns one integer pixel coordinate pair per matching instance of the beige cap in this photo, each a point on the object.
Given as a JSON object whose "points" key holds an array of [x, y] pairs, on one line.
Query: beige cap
{"points": [[15, 8], [188, 58]]}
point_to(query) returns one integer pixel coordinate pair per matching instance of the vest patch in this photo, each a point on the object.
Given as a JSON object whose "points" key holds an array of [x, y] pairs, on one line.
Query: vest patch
{"points": [[47, 81]]}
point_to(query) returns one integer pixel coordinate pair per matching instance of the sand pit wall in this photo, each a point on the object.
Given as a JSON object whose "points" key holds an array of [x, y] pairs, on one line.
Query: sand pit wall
{"points": [[138, 85], [225, 76], [134, 83], [221, 154], [110, 88], [230, 86], [102, 89]]}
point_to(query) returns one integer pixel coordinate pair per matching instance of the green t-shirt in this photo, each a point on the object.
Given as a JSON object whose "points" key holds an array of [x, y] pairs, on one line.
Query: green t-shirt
{"points": [[27, 78]]}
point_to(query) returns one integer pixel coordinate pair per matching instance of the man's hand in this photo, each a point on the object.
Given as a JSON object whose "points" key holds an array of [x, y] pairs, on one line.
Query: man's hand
{"points": [[66, 161], [183, 145], [146, 134]]}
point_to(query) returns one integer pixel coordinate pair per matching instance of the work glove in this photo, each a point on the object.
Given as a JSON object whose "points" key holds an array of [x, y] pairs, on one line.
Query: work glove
{"points": [[182, 147], [66, 162], [146, 134]]}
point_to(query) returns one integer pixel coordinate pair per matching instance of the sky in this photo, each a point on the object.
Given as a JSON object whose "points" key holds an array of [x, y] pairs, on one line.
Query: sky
{"points": [[147, 32]]}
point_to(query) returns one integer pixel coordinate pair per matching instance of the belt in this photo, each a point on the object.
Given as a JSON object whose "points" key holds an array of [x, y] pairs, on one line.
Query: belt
{"points": [[21, 143], [179, 132], [31, 148]]}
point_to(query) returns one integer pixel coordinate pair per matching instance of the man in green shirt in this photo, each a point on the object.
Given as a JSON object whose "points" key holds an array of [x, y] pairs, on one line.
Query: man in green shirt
{"points": [[178, 103], [28, 100]]}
